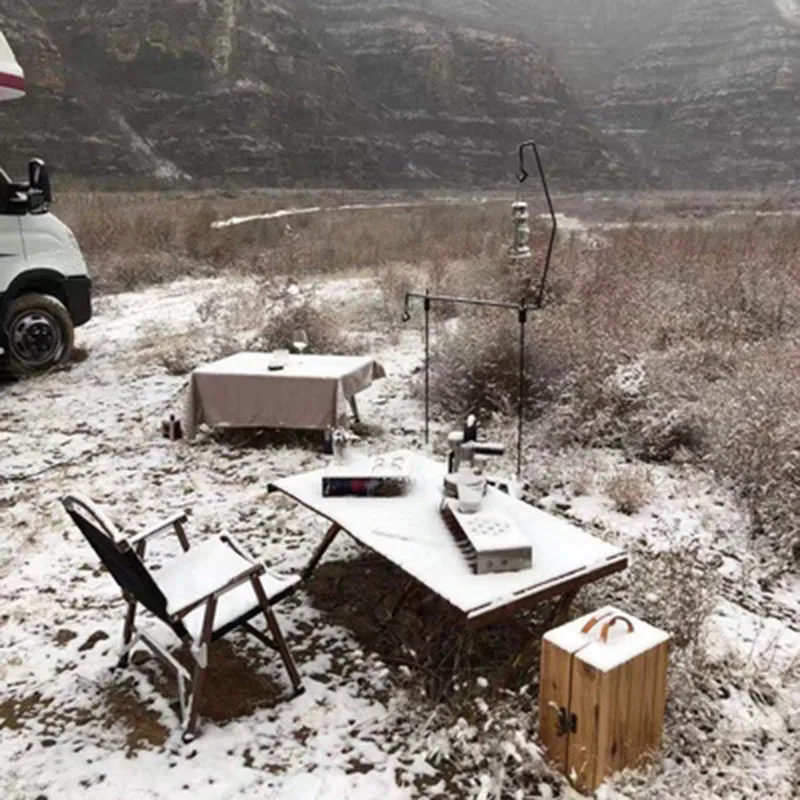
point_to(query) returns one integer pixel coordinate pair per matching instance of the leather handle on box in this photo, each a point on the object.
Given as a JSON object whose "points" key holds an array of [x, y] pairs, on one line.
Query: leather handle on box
{"points": [[593, 621], [607, 625]]}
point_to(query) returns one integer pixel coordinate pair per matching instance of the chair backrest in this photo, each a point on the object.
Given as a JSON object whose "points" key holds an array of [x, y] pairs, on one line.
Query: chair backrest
{"points": [[118, 556]]}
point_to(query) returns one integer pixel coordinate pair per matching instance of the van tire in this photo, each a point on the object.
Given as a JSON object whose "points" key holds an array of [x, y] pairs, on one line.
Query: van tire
{"points": [[39, 332]]}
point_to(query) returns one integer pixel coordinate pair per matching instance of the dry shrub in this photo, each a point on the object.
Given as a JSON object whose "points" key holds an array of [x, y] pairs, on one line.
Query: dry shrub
{"points": [[671, 582], [673, 344], [126, 272], [116, 228], [256, 316], [322, 328], [394, 280], [583, 473], [755, 439], [475, 365], [630, 489], [177, 353]]}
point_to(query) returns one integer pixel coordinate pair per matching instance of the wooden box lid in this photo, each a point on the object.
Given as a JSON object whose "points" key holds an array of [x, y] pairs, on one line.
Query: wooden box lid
{"points": [[615, 637]]}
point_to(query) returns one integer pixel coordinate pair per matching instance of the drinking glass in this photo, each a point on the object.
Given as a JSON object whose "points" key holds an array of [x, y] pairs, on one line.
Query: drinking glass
{"points": [[300, 340], [279, 359]]}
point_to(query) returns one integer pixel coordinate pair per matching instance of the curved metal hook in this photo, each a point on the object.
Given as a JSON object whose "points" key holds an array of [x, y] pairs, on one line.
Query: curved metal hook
{"points": [[522, 174], [406, 316]]}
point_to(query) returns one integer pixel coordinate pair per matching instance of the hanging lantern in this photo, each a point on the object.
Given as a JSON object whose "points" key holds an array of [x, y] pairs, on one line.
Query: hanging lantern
{"points": [[520, 250]]}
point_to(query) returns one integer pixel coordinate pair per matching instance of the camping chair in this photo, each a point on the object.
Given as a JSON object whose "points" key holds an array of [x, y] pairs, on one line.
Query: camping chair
{"points": [[201, 594]]}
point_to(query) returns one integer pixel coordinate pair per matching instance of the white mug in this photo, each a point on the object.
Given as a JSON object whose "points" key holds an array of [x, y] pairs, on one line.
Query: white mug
{"points": [[470, 492]]}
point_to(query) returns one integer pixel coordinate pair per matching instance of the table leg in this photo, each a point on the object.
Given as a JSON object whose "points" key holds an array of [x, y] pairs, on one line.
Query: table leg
{"points": [[354, 408], [408, 585], [326, 542], [558, 616]]}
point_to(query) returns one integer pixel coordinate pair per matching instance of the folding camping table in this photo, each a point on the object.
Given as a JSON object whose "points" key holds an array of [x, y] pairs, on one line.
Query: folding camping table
{"points": [[311, 392], [410, 531]]}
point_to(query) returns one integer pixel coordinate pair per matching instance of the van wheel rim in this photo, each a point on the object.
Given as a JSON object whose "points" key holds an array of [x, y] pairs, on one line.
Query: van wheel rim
{"points": [[35, 338]]}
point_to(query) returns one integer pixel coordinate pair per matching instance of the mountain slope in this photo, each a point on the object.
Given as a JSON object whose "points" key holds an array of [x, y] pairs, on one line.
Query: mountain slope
{"points": [[289, 93], [713, 99]]}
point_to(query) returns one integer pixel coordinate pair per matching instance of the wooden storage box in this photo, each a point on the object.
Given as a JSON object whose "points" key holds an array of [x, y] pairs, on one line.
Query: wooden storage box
{"points": [[602, 693]]}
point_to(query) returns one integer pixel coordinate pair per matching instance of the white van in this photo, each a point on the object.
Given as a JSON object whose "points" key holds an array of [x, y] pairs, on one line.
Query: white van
{"points": [[45, 289]]}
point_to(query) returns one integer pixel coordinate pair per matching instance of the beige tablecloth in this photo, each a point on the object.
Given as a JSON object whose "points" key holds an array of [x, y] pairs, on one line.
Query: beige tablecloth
{"points": [[311, 392]]}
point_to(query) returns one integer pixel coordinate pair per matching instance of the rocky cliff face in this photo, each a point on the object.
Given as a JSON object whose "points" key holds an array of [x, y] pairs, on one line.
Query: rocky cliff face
{"points": [[206, 88], [713, 98], [297, 92], [399, 92], [587, 40], [457, 100], [698, 92]]}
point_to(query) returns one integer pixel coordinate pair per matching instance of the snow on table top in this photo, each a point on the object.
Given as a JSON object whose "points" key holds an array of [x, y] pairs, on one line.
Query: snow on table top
{"points": [[621, 645], [301, 366], [410, 531]]}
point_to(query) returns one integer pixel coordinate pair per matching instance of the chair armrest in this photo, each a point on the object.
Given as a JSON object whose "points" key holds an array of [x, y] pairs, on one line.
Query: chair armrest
{"points": [[235, 546], [173, 524]]}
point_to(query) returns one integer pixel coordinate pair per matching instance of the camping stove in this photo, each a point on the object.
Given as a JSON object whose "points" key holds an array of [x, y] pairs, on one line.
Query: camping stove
{"points": [[490, 541], [463, 447]]}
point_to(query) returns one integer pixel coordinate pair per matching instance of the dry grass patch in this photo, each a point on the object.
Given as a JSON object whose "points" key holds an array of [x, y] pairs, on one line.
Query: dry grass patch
{"points": [[259, 315], [133, 240], [630, 489]]}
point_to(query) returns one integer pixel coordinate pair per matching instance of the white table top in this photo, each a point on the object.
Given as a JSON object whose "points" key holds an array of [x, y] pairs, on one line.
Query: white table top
{"points": [[410, 531], [300, 366]]}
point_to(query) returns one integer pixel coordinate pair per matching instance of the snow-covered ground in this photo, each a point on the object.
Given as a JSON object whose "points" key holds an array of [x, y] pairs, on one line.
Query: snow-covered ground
{"points": [[70, 727]]}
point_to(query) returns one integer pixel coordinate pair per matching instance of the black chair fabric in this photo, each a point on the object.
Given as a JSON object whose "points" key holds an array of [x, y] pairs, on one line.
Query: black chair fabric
{"points": [[127, 570]]}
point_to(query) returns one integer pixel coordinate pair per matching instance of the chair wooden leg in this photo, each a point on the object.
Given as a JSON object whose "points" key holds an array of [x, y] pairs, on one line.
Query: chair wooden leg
{"points": [[127, 633], [277, 635], [200, 669], [198, 680]]}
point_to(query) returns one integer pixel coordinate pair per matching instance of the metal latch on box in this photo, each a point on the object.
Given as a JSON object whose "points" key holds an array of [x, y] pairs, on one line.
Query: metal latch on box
{"points": [[566, 723]]}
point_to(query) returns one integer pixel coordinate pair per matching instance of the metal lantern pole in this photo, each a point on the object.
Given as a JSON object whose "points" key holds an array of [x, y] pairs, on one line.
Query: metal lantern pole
{"points": [[522, 174], [519, 251], [427, 306], [522, 315], [523, 318]]}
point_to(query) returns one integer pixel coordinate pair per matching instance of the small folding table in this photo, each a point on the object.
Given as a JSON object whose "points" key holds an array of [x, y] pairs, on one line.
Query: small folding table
{"points": [[410, 531]]}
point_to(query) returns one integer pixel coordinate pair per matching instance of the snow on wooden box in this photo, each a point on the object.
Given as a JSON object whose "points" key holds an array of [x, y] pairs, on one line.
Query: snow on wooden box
{"points": [[602, 694]]}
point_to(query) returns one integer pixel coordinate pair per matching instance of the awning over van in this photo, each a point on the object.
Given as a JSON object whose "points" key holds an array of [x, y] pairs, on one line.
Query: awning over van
{"points": [[12, 78]]}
